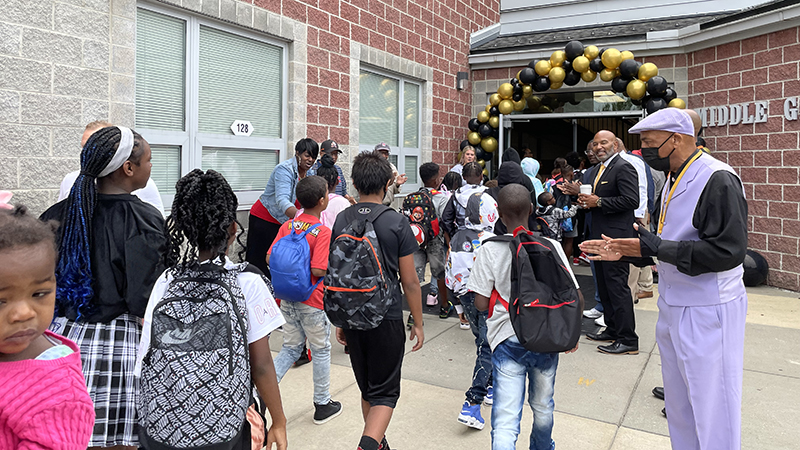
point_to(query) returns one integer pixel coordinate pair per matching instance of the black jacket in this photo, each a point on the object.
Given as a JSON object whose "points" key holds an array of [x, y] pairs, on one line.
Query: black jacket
{"points": [[619, 188]]}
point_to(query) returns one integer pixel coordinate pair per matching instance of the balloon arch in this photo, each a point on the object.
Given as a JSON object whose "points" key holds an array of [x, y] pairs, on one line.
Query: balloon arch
{"points": [[576, 62]]}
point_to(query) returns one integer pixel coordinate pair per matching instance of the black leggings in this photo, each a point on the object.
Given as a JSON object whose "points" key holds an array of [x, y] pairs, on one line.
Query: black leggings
{"points": [[260, 235]]}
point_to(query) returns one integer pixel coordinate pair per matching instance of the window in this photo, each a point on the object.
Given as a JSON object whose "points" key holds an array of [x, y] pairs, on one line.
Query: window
{"points": [[389, 111], [194, 78]]}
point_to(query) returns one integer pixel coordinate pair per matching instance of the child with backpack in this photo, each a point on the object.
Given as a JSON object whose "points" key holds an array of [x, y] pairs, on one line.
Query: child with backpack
{"points": [[480, 217], [534, 303], [43, 399], [370, 245], [553, 215], [206, 330], [298, 260]]}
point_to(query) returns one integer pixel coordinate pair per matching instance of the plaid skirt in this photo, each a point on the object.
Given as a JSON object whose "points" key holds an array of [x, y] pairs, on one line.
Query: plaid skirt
{"points": [[108, 353]]}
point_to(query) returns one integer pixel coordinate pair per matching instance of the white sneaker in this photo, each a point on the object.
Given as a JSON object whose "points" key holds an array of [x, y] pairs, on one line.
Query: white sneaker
{"points": [[592, 314], [600, 321]]}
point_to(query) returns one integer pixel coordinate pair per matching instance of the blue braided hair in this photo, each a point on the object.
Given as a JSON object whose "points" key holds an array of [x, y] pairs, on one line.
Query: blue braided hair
{"points": [[74, 268]]}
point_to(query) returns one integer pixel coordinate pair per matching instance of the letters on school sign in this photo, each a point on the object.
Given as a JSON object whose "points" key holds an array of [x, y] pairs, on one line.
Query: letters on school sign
{"points": [[745, 113]]}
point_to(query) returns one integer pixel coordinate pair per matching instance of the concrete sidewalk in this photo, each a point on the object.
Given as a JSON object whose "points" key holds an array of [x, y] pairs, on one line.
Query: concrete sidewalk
{"points": [[603, 402]]}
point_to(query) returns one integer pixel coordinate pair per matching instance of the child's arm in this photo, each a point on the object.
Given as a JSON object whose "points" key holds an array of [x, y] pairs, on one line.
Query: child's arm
{"points": [[262, 371], [410, 281]]}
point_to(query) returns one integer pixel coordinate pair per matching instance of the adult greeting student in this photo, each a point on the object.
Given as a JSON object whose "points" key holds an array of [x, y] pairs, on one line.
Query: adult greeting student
{"points": [[700, 245], [277, 204]]}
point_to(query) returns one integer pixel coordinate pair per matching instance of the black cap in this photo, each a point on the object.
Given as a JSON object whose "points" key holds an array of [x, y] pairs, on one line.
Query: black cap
{"points": [[330, 146]]}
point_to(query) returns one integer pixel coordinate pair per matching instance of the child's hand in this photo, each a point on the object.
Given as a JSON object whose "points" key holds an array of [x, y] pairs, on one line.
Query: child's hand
{"points": [[416, 331], [340, 337], [277, 435], [574, 349]]}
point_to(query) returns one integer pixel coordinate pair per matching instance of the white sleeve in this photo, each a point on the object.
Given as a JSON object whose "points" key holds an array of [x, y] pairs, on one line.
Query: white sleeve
{"points": [[149, 194], [263, 314], [564, 260], [159, 289], [481, 277], [641, 173], [66, 184]]}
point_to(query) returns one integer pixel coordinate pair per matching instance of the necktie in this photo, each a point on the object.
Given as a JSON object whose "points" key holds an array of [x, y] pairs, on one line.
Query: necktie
{"points": [[597, 178]]}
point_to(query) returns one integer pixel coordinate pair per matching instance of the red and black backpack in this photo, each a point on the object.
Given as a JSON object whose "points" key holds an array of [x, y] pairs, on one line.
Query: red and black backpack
{"points": [[418, 207]]}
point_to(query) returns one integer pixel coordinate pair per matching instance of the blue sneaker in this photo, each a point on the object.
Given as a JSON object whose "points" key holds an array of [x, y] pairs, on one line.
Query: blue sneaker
{"points": [[471, 416], [489, 398]]}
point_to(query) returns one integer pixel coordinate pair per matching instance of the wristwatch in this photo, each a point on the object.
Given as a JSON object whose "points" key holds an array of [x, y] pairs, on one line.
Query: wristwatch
{"points": [[599, 202]]}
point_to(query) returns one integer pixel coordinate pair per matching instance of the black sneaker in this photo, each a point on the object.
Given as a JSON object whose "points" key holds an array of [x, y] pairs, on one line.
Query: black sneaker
{"points": [[384, 445], [324, 413], [410, 322], [304, 358], [447, 310]]}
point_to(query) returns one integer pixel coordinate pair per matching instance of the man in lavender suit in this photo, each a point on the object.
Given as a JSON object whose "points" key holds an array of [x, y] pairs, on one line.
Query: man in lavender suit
{"points": [[700, 245]]}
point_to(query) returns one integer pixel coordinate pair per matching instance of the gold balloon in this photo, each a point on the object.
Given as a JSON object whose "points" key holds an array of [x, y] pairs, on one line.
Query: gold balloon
{"points": [[647, 71], [589, 76], [543, 67], [506, 90], [607, 74], [626, 55], [534, 102], [519, 106], [636, 89], [494, 121], [527, 91], [557, 75], [580, 64], [677, 103], [544, 109], [611, 58], [482, 163], [506, 107], [489, 144], [488, 107], [494, 99], [474, 137], [486, 172], [483, 117], [519, 72], [591, 52], [557, 58], [556, 85]]}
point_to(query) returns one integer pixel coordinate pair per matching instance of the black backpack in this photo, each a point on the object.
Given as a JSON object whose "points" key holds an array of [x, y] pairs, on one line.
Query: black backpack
{"points": [[421, 212], [358, 293], [545, 305]]}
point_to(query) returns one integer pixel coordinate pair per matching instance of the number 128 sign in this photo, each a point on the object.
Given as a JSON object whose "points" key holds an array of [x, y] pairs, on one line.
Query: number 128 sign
{"points": [[242, 128]]}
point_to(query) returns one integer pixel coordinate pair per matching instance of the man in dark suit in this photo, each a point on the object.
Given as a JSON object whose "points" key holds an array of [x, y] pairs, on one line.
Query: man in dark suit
{"points": [[611, 205]]}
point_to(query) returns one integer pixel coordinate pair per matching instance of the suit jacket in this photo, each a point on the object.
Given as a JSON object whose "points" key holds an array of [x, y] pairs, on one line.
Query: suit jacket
{"points": [[619, 188]]}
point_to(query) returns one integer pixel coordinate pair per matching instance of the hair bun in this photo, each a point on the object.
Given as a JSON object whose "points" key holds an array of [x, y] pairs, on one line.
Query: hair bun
{"points": [[327, 160]]}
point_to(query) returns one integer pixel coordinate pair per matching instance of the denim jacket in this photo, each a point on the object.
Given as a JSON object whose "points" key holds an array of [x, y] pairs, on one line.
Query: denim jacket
{"points": [[279, 195]]}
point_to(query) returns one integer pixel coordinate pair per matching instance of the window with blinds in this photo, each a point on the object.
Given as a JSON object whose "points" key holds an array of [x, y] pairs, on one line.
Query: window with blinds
{"points": [[166, 169], [410, 115], [245, 169]]}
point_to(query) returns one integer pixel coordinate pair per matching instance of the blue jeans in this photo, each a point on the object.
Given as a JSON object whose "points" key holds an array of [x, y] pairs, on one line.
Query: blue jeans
{"points": [[512, 364], [598, 306], [482, 373], [306, 322]]}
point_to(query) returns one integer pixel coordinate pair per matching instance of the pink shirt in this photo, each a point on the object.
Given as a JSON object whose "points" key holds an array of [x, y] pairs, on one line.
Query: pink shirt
{"points": [[336, 204], [44, 403]]}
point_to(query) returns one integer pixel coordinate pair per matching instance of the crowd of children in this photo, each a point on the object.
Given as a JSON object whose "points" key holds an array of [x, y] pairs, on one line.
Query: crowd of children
{"points": [[159, 336]]}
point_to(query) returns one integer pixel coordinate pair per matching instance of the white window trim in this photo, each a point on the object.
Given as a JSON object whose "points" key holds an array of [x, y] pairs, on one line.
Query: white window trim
{"points": [[398, 150], [191, 149]]}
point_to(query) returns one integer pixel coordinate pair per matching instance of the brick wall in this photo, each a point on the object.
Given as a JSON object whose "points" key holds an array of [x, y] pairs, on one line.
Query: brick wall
{"points": [[766, 155]]}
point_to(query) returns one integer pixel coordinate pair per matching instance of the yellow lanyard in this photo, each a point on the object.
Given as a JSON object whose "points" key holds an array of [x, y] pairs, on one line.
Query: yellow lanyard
{"points": [[665, 202], [599, 174]]}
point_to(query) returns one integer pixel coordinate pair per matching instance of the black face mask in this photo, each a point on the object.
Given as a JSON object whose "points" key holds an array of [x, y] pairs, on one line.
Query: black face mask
{"points": [[650, 155]]}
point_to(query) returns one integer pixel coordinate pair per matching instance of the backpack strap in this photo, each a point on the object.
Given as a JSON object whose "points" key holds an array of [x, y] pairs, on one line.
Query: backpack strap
{"points": [[376, 212]]}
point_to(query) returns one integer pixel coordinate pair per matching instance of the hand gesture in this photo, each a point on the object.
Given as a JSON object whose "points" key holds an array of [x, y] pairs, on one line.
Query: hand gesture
{"points": [[401, 179], [416, 331]]}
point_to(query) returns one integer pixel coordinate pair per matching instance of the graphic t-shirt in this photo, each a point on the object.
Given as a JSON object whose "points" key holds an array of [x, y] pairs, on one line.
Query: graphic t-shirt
{"points": [[319, 240]]}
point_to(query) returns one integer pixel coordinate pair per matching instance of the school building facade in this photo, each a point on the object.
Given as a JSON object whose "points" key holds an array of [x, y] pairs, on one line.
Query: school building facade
{"points": [[735, 62]]}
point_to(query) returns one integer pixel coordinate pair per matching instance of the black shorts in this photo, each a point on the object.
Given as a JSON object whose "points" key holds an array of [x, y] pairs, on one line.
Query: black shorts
{"points": [[376, 356]]}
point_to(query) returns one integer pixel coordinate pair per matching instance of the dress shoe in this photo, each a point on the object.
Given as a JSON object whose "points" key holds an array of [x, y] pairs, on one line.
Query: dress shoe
{"points": [[618, 348], [664, 411], [645, 294], [602, 337], [658, 392]]}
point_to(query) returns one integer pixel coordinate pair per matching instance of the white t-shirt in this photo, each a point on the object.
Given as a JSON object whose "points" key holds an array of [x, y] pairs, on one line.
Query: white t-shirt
{"points": [[263, 314], [336, 204], [492, 271], [148, 194]]}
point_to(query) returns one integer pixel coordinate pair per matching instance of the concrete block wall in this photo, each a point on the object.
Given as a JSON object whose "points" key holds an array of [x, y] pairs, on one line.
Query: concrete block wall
{"points": [[766, 155]]}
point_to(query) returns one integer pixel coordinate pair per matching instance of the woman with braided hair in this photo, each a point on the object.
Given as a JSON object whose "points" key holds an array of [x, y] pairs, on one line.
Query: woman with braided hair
{"points": [[110, 246]]}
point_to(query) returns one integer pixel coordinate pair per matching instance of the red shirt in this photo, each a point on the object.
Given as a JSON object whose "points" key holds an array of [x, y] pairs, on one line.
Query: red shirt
{"points": [[319, 241]]}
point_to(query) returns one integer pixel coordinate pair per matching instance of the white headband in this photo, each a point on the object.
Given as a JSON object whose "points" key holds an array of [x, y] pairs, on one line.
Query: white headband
{"points": [[122, 154]]}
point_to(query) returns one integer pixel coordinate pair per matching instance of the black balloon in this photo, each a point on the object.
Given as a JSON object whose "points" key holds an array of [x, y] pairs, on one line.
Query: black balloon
{"points": [[670, 95], [619, 84], [567, 66], [654, 104], [473, 124], [514, 81], [532, 64], [495, 134], [629, 68], [542, 84], [756, 269], [573, 50], [494, 111], [572, 78], [485, 130], [600, 53], [527, 75], [518, 89], [463, 144], [517, 96], [657, 86], [637, 102], [574, 101], [596, 65], [480, 153]]}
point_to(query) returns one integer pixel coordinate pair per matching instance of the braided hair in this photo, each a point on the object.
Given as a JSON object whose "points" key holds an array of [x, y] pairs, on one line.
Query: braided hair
{"points": [[18, 228], [74, 267], [328, 171], [202, 212], [471, 169]]}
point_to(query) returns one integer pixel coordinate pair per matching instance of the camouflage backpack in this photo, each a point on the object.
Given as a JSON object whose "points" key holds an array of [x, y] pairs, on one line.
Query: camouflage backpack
{"points": [[357, 292]]}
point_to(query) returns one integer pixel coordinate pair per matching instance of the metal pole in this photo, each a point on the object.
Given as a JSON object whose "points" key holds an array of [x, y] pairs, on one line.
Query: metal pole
{"points": [[575, 135], [500, 141]]}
